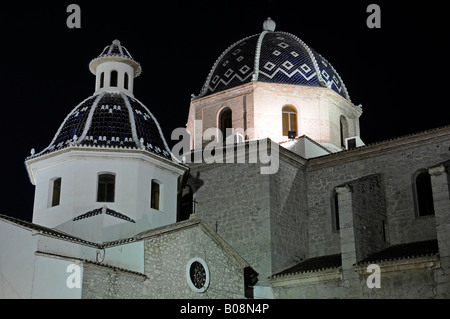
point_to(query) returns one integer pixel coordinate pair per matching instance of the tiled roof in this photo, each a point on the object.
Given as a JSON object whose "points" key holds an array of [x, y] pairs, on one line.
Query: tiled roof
{"points": [[113, 120], [395, 252], [95, 263], [63, 236], [403, 251], [104, 210], [45, 230], [274, 57], [313, 264]]}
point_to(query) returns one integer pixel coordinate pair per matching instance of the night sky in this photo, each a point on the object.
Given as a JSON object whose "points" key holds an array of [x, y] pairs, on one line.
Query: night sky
{"points": [[398, 73]]}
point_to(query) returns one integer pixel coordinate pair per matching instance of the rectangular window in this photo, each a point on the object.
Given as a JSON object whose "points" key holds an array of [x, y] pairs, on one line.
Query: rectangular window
{"points": [[293, 122], [155, 195], [335, 211], [106, 188], [285, 124], [56, 192]]}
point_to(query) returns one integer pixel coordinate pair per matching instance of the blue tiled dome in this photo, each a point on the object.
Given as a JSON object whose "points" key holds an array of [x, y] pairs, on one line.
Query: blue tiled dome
{"points": [[110, 120], [274, 57]]}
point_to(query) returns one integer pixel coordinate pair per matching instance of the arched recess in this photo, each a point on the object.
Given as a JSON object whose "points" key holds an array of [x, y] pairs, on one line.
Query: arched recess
{"points": [[225, 122]]}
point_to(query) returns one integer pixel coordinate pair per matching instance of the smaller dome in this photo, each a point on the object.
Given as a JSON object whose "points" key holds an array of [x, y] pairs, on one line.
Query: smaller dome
{"points": [[115, 52], [113, 120]]}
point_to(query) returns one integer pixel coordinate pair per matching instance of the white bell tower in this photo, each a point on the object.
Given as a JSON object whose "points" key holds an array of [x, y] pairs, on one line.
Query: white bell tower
{"points": [[108, 173]]}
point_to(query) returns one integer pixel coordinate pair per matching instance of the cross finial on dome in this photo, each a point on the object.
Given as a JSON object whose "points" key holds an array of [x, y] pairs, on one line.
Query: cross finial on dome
{"points": [[269, 25]]}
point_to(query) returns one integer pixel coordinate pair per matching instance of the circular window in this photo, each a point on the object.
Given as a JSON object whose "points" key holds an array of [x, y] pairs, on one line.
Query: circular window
{"points": [[197, 274]]}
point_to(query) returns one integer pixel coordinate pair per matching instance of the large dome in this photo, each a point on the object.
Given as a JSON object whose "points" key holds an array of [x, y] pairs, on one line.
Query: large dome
{"points": [[274, 57]]}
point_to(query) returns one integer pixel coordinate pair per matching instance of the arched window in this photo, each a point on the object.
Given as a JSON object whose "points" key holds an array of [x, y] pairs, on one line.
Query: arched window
{"points": [[424, 194], [106, 188], [289, 117], [113, 81], [102, 80], [155, 195], [125, 80], [343, 126], [225, 122], [56, 192]]}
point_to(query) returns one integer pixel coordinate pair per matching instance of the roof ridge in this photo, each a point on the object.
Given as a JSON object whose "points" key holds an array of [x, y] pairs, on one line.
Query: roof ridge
{"points": [[311, 56], [258, 55], [211, 72], [46, 230], [104, 210]]}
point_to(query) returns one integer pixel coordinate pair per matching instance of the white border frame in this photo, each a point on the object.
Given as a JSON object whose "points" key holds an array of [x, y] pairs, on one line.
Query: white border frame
{"points": [[188, 275]]}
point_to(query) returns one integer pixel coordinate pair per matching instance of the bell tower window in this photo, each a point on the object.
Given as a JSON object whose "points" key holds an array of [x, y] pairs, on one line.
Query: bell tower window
{"points": [[289, 118], [106, 188], [56, 192], [155, 195], [113, 81], [125, 80], [225, 122], [102, 80]]}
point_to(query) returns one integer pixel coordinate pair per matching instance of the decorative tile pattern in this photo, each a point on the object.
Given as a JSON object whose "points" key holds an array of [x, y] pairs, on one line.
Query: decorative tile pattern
{"points": [[104, 210], [110, 125], [281, 58]]}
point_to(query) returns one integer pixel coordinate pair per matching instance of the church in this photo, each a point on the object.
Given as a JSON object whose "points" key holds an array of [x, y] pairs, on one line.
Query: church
{"points": [[274, 195]]}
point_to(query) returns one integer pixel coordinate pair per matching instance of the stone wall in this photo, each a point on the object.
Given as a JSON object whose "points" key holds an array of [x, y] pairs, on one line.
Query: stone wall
{"points": [[167, 252], [288, 217], [234, 200], [166, 257], [369, 215], [415, 283], [396, 162], [263, 217], [100, 282]]}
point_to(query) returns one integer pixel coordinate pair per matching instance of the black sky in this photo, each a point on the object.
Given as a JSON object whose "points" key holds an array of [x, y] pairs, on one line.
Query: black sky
{"points": [[398, 73]]}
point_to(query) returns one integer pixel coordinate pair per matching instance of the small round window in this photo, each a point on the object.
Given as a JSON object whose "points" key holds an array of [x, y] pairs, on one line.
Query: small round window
{"points": [[197, 275]]}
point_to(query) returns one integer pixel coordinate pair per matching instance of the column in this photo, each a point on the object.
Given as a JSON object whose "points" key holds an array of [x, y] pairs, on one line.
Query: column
{"points": [[441, 200], [348, 241]]}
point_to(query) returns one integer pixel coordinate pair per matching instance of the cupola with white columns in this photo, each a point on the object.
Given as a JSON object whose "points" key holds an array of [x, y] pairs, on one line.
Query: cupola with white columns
{"points": [[108, 173], [115, 69]]}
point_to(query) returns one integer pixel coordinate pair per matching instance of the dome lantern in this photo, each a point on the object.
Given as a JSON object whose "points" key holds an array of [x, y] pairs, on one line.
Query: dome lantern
{"points": [[115, 69]]}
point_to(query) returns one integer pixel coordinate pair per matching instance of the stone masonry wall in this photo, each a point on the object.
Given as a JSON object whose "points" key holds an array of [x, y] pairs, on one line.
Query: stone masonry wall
{"points": [[369, 215], [396, 166], [289, 217], [414, 284], [165, 259], [234, 200], [104, 283]]}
